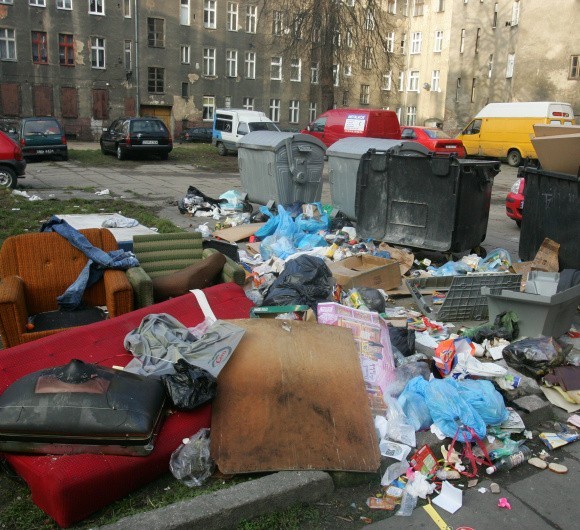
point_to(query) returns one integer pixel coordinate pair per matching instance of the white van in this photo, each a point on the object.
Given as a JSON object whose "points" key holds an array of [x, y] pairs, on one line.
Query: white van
{"points": [[230, 125]]}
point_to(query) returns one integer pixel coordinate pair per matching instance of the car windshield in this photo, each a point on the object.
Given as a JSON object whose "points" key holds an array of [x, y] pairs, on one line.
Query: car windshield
{"points": [[436, 133], [36, 127], [263, 126], [148, 126]]}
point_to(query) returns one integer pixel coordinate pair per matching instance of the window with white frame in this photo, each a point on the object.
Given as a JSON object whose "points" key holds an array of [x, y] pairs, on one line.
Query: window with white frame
{"points": [[435, 79], [516, 13], [314, 71], [337, 38], [411, 116], [365, 94], [403, 45], [250, 65], [350, 3], [392, 7], [296, 70], [232, 63], [208, 105], [64, 4], [248, 103], [401, 86], [336, 74], [347, 70], [277, 23], [275, 110], [7, 44], [127, 8], [37, 3], [387, 80], [298, 26], [156, 32], [438, 42], [511, 61], [96, 7], [345, 98], [128, 55], [316, 34], [404, 9], [184, 13], [413, 85], [367, 62], [477, 35], [209, 14], [227, 102], [462, 42], [440, 6], [233, 16], [574, 72], [312, 111], [457, 89], [348, 38], [294, 111], [490, 65], [155, 80], [369, 20], [208, 62], [416, 41], [97, 52], [185, 54], [6, 1], [418, 8], [390, 42], [276, 68], [495, 13], [251, 18], [473, 84]]}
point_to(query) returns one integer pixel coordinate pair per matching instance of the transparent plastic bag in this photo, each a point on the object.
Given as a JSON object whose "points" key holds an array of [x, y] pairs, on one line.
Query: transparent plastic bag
{"points": [[398, 427], [191, 462]]}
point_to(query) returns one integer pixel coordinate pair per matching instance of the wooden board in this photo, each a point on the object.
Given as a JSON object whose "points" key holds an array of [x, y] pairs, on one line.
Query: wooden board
{"points": [[238, 233], [292, 397]]}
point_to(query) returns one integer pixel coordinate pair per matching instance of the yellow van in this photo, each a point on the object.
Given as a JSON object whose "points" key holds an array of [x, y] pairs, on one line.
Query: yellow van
{"points": [[505, 130]]}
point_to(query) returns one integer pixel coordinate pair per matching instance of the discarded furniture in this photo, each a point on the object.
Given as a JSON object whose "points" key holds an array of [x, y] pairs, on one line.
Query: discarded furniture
{"points": [[163, 254], [38, 267]]}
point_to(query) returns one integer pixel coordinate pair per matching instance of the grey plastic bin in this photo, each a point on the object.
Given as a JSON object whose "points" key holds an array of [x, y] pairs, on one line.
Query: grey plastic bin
{"points": [[344, 159], [281, 166]]}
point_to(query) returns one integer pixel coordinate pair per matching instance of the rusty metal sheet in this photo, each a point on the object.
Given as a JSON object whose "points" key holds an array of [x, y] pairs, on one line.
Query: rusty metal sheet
{"points": [[292, 397]]}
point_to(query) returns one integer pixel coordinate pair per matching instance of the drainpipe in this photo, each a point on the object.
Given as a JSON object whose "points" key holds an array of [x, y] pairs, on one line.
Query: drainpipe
{"points": [[137, 77]]}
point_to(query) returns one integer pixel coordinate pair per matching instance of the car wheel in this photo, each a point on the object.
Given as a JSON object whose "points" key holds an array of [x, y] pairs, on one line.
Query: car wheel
{"points": [[222, 151], [120, 153], [514, 159], [7, 178]]}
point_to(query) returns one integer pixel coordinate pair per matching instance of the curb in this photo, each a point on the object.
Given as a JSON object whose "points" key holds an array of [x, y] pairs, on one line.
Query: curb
{"points": [[227, 507]]}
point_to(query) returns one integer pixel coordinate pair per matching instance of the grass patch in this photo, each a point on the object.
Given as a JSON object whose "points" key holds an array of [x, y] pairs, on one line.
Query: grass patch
{"points": [[293, 518]]}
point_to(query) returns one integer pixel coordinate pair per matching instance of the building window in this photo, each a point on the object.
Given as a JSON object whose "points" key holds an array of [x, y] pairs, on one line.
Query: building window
{"points": [[387, 81], [232, 63], [495, 11], [10, 2], [314, 69], [232, 16], [457, 89], [403, 45], [435, 78], [516, 13], [345, 98], [100, 104], [155, 80], [473, 83], [477, 35], [411, 116], [413, 81], [418, 8], [37, 3], [316, 34], [335, 74], [416, 40], [312, 112], [97, 52], [365, 94], [277, 23], [251, 18], [404, 9], [248, 103], [128, 55], [294, 111], [348, 38], [69, 102], [296, 70], [401, 86], [574, 67], [462, 41], [96, 7], [227, 102], [337, 38], [156, 32], [440, 6], [209, 62], [63, 4], [390, 42], [275, 110], [276, 69], [185, 54], [369, 20], [208, 108], [347, 70], [490, 65], [7, 44], [511, 60], [438, 43], [392, 7], [399, 113], [185, 13], [66, 50], [184, 90], [39, 48], [209, 14], [367, 58], [127, 8], [250, 62]]}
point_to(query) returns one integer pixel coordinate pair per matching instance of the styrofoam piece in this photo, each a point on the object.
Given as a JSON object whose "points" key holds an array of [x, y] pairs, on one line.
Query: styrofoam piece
{"points": [[544, 283]]}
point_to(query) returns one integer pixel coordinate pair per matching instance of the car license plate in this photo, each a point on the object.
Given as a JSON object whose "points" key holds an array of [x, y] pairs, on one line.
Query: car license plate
{"points": [[450, 147], [44, 151], [150, 142]]}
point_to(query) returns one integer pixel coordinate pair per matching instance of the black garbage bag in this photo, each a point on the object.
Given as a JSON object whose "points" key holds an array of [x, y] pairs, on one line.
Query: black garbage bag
{"points": [[339, 221], [305, 280], [403, 339], [535, 357], [190, 386], [372, 298]]}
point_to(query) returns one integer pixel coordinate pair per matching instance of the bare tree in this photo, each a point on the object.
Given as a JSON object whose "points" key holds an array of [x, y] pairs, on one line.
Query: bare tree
{"points": [[334, 34]]}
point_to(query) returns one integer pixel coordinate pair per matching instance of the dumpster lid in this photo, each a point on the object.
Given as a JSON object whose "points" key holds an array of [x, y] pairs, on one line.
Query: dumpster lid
{"points": [[354, 147], [274, 140]]}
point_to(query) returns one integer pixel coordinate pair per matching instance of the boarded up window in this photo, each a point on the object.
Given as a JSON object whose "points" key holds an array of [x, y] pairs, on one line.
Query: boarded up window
{"points": [[69, 105], [100, 104], [42, 100], [130, 107], [9, 99]]}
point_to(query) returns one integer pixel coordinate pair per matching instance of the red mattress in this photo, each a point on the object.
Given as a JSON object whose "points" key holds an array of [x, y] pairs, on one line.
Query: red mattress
{"points": [[71, 487]]}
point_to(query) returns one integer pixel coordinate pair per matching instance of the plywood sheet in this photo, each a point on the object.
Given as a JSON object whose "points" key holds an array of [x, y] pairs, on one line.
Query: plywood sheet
{"points": [[293, 397], [238, 233]]}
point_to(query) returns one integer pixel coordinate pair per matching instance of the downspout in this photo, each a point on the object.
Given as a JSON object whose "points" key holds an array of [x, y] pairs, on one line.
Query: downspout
{"points": [[137, 77]]}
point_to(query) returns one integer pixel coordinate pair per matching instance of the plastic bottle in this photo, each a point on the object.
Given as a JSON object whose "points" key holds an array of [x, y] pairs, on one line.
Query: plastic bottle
{"points": [[511, 461], [191, 462]]}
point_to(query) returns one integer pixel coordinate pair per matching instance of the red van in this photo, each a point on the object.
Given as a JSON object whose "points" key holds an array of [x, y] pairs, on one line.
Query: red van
{"points": [[335, 124]]}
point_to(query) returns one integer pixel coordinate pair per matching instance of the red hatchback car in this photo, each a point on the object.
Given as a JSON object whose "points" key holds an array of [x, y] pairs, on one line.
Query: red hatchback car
{"points": [[12, 163], [514, 202], [435, 140]]}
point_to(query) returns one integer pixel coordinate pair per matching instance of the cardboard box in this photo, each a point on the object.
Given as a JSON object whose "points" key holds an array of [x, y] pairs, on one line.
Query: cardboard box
{"points": [[367, 271], [559, 153], [544, 129]]}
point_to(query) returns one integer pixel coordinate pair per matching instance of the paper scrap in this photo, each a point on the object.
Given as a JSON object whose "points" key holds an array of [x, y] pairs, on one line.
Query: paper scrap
{"points": [[556, 398], [450, 498]]}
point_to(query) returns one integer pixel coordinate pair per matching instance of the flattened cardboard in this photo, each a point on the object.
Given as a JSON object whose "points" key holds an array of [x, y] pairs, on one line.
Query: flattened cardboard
{"points": [[238, 233], [367, 271], [560, 154], [292, 397]]}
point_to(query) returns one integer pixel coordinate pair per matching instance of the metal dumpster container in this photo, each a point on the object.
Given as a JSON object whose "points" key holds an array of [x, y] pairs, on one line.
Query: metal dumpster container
{"points": [[422, 200], [281, 166]]}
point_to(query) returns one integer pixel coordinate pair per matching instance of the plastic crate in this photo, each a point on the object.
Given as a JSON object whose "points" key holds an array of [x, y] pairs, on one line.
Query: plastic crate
{"points": [[464, 300]]}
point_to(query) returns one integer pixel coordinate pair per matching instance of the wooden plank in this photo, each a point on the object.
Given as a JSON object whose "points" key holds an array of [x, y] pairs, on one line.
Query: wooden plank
{"points": [[293, 397], [238, 233]]}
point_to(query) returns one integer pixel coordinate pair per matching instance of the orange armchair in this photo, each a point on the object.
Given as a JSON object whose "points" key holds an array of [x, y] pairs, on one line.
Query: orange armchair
{"points": [[37, 267]]}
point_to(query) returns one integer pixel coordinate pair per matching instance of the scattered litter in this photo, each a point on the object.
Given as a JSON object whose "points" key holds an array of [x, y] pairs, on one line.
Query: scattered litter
{"points": [[15, 209], [574, 420], [450, 498], [119, 221], [383, 503], [504, 503], [538, 462], [103, 192], [494, 487], [482, 490], [554, 440], [557, 468], [472, 483]]}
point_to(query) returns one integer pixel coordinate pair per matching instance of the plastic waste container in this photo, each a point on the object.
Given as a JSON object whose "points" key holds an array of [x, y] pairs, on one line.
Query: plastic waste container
{"points": [[551, 209], [344, 157], [414, 198], [281, 166]]}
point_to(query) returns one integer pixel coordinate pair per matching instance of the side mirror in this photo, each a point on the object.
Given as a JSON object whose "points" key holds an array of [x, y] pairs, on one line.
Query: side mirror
{"points": [[105, 129], [308, 128]]}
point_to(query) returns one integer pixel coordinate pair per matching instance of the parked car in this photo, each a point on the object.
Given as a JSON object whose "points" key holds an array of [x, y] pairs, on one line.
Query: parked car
{"points": [[137, 136], [12, 163], [40, 137], [514, 202], [434, 139], [196, 134]]}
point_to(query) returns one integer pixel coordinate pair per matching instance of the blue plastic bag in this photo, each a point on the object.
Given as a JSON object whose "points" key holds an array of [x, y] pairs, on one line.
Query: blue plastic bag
{"points": [[451, 268], [281, 242], [484, 398], [310, 241], [415, 408], [311, 225], [271, 224]]}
